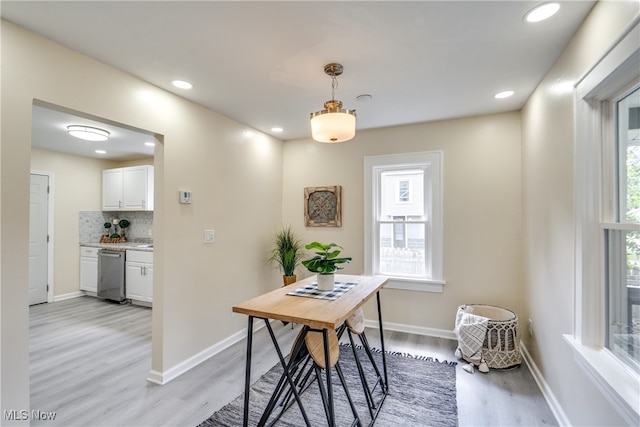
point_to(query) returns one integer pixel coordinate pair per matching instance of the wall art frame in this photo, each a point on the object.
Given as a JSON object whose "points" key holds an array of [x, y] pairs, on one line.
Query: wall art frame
{"points": [[323, 206]]}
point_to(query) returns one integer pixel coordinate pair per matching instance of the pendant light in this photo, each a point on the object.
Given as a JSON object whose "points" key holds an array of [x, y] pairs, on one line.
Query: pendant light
{"points": [[333, 124]]}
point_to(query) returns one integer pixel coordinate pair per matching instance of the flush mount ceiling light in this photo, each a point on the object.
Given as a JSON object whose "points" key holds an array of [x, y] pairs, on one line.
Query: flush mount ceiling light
{"points": [[333, 124], [88, 133], [542, 12]]}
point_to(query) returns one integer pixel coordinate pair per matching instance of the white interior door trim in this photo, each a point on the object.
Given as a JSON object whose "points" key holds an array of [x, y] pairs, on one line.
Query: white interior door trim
{"points": [[50, 229]]}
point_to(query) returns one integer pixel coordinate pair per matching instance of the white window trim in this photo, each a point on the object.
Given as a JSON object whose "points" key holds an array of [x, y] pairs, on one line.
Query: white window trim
{"points": [[618, 382], [435, 159]]}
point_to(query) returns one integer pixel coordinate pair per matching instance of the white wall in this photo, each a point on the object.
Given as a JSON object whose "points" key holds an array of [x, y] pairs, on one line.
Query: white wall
{"points": [[482, 209], [548, 222], [235, 177]]}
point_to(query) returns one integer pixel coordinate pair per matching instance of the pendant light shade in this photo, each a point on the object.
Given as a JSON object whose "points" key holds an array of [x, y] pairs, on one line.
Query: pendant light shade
{"points": [[333, 124], [88, 133]]}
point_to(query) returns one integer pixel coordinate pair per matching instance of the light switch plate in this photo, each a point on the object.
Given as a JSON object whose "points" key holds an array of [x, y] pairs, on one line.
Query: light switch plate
{"points": [[185, 196], [209, 236]]}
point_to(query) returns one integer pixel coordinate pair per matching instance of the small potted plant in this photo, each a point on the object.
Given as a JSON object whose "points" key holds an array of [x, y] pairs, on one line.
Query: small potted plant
{"points": [[325, 263], [286, 253]]}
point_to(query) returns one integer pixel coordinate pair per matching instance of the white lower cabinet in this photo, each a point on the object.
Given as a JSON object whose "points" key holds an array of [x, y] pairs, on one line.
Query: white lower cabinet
{"points": [[88, 269], [139, 276]]}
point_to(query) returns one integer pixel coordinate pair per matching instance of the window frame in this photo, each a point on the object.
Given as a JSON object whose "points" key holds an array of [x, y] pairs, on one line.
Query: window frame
{"points": [[614, 221], [431, 162], [594, 192]]}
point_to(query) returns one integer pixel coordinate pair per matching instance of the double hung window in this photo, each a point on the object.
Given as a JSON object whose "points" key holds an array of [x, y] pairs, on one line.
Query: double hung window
{"points": [[606, 337], [403, 217], [621, 227]]}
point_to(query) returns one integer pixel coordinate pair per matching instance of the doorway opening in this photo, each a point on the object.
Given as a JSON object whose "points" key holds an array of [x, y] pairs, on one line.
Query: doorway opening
{"points": [[77, 166]]}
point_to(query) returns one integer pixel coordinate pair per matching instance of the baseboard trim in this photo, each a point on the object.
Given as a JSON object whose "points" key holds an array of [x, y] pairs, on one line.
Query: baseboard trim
{"points": [[412, 329], [556, 409], [174, 372], [70, 295]]}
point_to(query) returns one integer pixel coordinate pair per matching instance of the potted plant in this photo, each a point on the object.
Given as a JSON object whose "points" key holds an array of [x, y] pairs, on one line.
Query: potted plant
{"points": [[325, 263], [286, 253], [123, 223]]}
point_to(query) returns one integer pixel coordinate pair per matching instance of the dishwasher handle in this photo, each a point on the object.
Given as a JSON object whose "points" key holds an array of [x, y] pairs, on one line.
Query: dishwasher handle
{"points": [[104, 253]]}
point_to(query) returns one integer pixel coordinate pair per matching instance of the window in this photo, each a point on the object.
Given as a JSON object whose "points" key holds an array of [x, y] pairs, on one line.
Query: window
{"points": [[620, 224], [404, 192], [605, 339], [403, 219]]}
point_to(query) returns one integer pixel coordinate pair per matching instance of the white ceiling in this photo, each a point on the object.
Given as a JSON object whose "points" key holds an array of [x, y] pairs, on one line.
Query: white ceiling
{"points": [[49, 132], [261, 63]]}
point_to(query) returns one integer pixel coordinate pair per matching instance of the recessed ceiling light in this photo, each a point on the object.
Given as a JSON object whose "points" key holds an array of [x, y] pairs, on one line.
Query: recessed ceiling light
{"points": [[364, 97], [276, 129], [101, 152], [150, 144], [182, 84], [503, 94], [88, 133], [542, 12]]}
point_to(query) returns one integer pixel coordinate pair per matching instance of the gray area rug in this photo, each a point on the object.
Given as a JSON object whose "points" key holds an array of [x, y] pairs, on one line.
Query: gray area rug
{"points": [[422, 392]]}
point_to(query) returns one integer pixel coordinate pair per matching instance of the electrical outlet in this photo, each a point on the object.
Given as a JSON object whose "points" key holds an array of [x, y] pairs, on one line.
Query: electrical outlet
{"points": [[530, 327]]}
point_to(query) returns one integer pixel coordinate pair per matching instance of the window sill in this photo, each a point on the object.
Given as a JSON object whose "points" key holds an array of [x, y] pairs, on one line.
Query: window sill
{"points": [[404, 284], [617, 382]]}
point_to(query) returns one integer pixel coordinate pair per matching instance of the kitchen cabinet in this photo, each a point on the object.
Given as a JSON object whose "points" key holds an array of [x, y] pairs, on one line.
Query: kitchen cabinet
{"points": [[89, 269], [129, 188], [139, 276]]}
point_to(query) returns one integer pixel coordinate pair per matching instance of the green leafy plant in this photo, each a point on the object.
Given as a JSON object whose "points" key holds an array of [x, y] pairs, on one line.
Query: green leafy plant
{"points": [[287, 250], [326, 259]]}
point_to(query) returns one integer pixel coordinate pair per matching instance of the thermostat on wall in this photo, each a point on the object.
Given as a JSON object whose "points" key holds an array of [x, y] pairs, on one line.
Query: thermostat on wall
{"points": [[185, 196]]}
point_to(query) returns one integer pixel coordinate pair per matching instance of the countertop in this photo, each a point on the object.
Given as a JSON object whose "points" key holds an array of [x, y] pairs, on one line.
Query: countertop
{"points": [[138, 246]]}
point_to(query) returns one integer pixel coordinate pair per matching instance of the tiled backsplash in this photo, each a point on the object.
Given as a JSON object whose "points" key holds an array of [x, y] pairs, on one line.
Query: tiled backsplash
{"points": [[92, 225]]}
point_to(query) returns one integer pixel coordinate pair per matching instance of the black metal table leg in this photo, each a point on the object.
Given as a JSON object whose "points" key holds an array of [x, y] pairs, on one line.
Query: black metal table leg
{"points": [[247, 370], [331, 418], [384, 357], [287, 374]]}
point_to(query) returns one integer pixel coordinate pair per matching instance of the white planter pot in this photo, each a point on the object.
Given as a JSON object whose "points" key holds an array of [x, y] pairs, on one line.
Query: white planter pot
{"points": [[325, 282]]}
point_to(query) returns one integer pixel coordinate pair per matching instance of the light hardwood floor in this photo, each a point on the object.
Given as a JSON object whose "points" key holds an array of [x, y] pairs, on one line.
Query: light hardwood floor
{"points": [[89, 362]]}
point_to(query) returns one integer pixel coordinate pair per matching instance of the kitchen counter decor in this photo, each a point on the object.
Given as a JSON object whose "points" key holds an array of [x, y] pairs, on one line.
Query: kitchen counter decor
{"points": [[109, 239], [114, 237]]}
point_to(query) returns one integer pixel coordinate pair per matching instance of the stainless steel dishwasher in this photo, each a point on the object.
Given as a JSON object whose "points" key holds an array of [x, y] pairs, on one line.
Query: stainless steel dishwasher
{"points": [[111, 275]]}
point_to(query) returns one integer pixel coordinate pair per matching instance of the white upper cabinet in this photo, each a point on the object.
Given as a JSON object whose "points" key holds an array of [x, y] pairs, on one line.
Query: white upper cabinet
{"points": [[112, 189], [129, 189], [138, 188]]}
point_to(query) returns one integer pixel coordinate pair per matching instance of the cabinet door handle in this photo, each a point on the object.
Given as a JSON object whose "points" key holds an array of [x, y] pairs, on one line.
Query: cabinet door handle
{"points": [[120, 203]]}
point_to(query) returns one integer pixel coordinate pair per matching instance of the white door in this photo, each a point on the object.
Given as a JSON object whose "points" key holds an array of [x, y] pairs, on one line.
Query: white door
{"points": [[38, 236]]}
